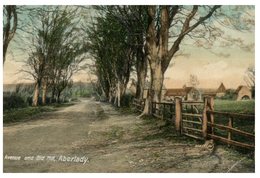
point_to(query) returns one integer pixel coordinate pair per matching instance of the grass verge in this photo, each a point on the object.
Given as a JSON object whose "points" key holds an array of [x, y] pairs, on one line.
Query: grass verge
{"points": [[22, 114]]}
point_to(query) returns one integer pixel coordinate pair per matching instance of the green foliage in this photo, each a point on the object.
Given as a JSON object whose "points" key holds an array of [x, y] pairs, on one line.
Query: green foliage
{"points": [[229, 95], [81, 89], [14, 101], [111, 47], [127, 100], [57, 48]]}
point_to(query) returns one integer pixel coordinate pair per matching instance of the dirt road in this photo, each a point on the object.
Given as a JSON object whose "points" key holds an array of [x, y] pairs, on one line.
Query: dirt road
{"points": [[92, 137]]}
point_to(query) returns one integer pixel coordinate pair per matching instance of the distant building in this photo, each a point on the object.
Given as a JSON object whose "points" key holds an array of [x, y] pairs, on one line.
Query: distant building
{"points": [[243, 93], [208, 92], [186, 93], [221, 91], [194, 94]]}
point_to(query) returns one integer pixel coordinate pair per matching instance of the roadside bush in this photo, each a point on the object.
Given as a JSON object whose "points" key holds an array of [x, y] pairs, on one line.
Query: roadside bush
{"points": [[127, 99], [85, 94], [14, 101]]}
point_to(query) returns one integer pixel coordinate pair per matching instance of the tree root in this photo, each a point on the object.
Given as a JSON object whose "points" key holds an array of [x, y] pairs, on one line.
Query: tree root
{"points": [[141, 115]]}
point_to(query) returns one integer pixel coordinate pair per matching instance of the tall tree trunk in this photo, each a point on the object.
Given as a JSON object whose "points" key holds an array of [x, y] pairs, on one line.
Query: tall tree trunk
{"points": [[58, 96], [118, 94], [110, 95], [36, 94], [154, 51], [157, 77], [53, 95], [156, 84], [5, 45], [44, 92], [141, 68], [9, 28]]}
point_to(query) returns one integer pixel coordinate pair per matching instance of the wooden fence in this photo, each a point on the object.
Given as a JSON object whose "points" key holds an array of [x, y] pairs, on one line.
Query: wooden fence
{"points": [[138, 104], [163, 110], [197, 119]]}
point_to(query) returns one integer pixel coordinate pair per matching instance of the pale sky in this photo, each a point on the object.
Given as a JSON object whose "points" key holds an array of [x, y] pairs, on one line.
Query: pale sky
{"points": [[210, 69]]}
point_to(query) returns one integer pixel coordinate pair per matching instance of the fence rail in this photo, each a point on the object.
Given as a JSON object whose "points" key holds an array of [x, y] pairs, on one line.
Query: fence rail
{"points": [[245, 116], [229, 128], [197, 119]]}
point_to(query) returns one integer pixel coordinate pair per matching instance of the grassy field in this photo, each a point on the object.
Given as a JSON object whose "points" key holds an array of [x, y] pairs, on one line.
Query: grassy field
{"points": [[245, 107]]}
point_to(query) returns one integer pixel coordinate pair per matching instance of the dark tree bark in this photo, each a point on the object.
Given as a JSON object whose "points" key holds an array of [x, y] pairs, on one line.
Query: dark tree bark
{"points": [[9, 28], [141, 70]]}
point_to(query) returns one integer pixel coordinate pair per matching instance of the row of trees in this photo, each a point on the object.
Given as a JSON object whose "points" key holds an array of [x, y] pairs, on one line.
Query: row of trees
{"points": [[139, 37], [115, 40], [53, 39], [56, 51], [128, 39]]}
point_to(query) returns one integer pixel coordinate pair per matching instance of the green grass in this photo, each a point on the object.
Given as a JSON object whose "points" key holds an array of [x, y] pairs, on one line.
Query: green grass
{"points": [[23, 114], [246, 106]]}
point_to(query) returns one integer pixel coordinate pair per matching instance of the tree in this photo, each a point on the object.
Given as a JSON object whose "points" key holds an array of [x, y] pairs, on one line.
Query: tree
{"points": [[161, 19], [133, 19], [63, 66], [249, 78], [9, 26], [113, 54], [194, 82], [56, 50]]}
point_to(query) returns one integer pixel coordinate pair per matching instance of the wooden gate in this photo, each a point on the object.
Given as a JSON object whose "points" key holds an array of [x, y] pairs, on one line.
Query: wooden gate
{"points": [[192, 113]]}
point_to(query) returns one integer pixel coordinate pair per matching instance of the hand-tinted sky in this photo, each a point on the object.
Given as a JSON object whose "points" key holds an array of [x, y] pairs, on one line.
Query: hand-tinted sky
{"points": [[210, 67]]}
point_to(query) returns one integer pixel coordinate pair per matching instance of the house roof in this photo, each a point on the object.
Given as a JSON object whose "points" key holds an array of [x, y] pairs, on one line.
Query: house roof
{"points": [[188, 89], [240, 87], [175, 92], [208, 91], [221, 88], [178, 91]]}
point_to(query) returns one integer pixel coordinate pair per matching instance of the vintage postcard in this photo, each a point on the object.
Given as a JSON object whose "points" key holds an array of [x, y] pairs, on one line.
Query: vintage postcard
{"points": [[128, 88]]}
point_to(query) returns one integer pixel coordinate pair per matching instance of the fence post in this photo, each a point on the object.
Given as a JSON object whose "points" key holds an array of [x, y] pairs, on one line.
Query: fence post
{"points": [[178, 114], [230, 124], [211, 107], [205, 119], [163, 110], [152, 107]]}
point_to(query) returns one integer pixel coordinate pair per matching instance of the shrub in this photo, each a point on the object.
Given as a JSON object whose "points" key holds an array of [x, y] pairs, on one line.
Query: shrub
{"points": [[127, 99], [229, 95], [14, 101]]}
